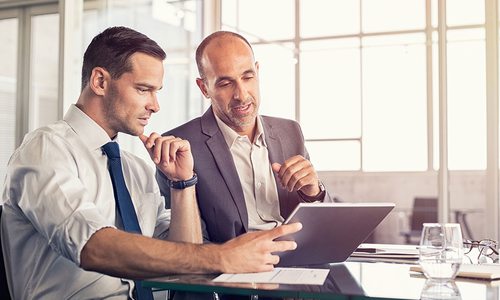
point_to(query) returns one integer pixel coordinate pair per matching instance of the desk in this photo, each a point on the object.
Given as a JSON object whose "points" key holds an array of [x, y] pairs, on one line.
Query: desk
{"points": [[349, 280]]}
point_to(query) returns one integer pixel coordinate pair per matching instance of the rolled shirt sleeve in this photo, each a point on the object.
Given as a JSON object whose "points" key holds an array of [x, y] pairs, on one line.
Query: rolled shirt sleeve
{"points": [[52, 195]]}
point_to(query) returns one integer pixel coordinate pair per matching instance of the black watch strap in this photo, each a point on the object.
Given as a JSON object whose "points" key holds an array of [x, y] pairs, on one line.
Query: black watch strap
{"points": [[182, 184], [318, 197]]}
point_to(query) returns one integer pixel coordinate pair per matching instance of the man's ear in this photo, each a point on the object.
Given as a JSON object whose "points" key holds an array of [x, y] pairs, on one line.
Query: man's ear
{"points": [[203, 88], [99, 80]]}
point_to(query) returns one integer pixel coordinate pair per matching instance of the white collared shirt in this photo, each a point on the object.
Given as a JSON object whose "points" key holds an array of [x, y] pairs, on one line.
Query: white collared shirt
{"points": [[256, 176], [57, 194]]}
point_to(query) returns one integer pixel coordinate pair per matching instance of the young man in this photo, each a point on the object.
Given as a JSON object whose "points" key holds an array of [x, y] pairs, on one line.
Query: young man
{"points": [[253, 170], [81, 218]]}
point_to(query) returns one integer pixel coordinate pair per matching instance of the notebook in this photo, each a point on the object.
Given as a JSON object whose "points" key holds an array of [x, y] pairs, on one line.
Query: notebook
{"points": [[477, 271], [331, 231]]}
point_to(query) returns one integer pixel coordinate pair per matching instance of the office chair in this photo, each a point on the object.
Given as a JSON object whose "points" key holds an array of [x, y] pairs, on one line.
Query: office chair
{"points": [[424, 211], [4, 288]]}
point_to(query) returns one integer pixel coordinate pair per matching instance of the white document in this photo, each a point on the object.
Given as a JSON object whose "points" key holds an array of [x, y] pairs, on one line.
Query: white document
{"points": [[279, 275]]}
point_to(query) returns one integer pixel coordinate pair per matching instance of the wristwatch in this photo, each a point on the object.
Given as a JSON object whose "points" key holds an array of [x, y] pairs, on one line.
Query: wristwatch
{"points": [[319, 197], [182, 184]]}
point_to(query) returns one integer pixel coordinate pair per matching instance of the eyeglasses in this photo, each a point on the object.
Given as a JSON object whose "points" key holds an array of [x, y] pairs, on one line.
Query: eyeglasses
{"points": [[486, 247]]}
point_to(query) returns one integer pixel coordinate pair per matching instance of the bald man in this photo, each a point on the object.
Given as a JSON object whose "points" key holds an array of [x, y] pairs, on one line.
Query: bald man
{"points": [[253, 170]]}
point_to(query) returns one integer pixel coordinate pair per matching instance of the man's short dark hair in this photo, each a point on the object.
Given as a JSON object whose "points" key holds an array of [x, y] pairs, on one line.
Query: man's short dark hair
{"points": [[112, 48], [208, 39]]}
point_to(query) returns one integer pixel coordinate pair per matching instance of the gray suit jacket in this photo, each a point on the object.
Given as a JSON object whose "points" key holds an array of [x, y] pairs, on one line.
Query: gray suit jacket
{"points": [[219, 192]]}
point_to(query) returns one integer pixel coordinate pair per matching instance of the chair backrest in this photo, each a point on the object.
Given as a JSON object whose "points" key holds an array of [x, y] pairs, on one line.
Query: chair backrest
{"points": [[4, 288], [424, 211]]}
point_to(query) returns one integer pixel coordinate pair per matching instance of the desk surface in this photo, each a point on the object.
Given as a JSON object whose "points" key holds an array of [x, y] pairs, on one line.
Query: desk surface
{"points": [[360, 279]]}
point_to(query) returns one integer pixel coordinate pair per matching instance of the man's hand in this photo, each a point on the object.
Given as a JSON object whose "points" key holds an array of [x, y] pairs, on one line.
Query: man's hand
{"points": [[171, 155], [297, 173], [254, 251]]}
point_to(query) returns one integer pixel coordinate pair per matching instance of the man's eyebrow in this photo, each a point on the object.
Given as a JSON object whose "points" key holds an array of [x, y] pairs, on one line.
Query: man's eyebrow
{"points": [[149, 86], [249, 72]]}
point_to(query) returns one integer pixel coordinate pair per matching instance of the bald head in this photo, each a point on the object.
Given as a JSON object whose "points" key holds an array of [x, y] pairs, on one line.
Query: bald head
{"points": [[217, 39]]}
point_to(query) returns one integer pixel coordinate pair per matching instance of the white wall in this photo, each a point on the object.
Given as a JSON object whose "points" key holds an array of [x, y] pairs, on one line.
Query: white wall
{"points": [[467, 193]]}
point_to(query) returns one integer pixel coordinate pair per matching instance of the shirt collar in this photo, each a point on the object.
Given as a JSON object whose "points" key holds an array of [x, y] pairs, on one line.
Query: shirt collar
{"points": [[230, 135], [92, 135]]}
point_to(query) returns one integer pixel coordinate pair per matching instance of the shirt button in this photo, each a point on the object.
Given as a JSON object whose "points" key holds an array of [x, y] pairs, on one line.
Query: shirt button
{"points": [[259, 184]]}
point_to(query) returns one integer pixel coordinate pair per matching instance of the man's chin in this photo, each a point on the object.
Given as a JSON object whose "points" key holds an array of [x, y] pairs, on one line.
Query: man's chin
{"points": [[134, 132]]}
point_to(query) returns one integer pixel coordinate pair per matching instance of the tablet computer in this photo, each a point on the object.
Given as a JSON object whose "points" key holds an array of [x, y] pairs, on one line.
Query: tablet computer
{"points": [[331, 231]]}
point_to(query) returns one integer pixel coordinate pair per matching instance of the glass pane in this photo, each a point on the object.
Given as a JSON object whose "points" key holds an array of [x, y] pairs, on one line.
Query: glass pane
{"points": [[335, 155], [330, 90], [464, 12], [394, 103], [229, 13], [468, 202], [8, 91], [255, 17], [277, 79], [466, 100], [329, 17], [44, 70], [434, 13], [392, 15]]}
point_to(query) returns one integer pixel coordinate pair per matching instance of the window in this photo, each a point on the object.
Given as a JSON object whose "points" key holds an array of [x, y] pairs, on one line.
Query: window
{"points": [[363, 79], [28, 73], [8, 90], [176, 27]]}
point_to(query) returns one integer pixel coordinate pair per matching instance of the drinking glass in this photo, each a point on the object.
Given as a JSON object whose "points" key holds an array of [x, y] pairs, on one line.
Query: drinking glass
{"points": [[442, 290], [441, 250]]}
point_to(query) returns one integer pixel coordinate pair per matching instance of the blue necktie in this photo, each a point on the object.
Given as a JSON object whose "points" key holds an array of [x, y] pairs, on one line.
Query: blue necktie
{"points": [[124, 204]]}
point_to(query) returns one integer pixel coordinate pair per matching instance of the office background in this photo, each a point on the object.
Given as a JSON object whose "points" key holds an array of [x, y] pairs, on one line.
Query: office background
{"points": [[398, 99]]}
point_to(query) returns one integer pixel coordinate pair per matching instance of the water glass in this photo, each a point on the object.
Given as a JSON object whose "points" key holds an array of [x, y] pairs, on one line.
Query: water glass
{"points": [[442, 290], [441, 250]]}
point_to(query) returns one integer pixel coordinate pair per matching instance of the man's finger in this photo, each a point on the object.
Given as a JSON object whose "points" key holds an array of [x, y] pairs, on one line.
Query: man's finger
{"points": [[281, 246], [175, 145], [276, 167], [274, 259], [285, 230], [143, 138]]}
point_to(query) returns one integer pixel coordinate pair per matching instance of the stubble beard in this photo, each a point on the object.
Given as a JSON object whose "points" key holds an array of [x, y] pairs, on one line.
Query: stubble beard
{"points": [[248, 120], [113, 113]]}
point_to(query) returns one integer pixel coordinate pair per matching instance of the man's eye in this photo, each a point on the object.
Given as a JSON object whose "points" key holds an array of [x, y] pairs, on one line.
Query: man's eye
{"points": [[141, 90], [224, 83]]}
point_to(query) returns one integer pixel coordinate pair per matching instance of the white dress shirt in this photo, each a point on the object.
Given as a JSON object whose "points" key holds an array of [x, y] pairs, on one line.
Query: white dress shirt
{"points": [[256, 176], [57, 194]]}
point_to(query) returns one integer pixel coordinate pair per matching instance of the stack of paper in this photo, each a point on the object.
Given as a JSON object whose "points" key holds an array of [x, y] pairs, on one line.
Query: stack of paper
{"points": [[386, 251], [480, 271], [279, 275]]}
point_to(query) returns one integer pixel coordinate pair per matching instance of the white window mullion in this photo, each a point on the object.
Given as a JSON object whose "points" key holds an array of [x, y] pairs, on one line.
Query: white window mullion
{"points": [[492, 177]]}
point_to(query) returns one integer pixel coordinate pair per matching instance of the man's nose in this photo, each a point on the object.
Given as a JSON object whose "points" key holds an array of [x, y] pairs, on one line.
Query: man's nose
{"points": [[240, 92], [154, 105]]}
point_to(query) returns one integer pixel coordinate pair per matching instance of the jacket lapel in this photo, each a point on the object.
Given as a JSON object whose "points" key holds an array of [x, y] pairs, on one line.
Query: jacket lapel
{"points": [[275, 156], [224, 160]]}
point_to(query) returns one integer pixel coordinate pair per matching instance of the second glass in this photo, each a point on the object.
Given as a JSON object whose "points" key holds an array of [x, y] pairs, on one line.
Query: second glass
{"points": [[441, 250]]}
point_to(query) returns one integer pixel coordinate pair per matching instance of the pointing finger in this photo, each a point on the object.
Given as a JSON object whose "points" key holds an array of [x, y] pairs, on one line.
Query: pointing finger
{"points": [[143, 139]]}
